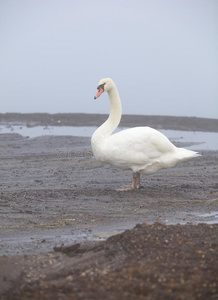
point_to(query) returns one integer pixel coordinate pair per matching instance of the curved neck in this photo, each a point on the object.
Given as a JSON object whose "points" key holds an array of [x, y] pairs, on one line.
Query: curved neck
{"points": [[114, 118]]}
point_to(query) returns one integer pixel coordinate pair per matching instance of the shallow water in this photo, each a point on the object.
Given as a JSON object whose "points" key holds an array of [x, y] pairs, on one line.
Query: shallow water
{"points": [[41, 241], [208, 218], [200, 140]]}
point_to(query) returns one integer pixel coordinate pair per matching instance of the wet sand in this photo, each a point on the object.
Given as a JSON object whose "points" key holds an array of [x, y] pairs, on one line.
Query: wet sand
{"points": [[53, 192]]}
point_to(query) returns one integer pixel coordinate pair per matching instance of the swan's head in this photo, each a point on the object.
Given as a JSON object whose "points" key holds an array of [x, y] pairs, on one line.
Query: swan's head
{"points": [[105, 85]]}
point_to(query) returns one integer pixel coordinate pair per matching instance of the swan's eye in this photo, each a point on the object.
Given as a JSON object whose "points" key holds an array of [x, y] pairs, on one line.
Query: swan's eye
{"points": [[101, 86]]}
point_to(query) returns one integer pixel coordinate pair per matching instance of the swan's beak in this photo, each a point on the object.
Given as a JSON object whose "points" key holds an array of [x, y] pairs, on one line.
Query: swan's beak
{"points": [[100, 91]]}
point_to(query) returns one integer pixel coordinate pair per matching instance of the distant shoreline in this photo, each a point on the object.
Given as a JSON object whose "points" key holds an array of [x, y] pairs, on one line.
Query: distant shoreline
{"points": [[82, 119]]}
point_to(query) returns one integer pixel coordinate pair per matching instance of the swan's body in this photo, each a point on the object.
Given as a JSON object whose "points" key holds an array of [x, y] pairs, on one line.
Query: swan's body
{"points": [[144, 150]]}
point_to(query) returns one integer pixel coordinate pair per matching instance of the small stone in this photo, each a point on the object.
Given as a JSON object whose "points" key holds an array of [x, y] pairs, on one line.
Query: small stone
{"points": [[69, 278]]}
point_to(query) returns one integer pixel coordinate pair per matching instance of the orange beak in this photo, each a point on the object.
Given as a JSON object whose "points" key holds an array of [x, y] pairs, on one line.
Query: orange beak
{"points": [[100, 91]]}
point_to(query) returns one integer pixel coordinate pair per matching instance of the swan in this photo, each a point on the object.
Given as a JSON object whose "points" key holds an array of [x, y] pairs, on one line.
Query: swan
{"points": [[143, 150]]}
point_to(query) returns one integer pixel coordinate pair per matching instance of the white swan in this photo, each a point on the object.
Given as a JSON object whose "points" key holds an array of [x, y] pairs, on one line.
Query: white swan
{"points": [[143, 150]]}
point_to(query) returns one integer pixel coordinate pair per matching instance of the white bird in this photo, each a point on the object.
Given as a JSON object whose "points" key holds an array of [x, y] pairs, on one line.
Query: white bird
{"points": [[143, 150]]}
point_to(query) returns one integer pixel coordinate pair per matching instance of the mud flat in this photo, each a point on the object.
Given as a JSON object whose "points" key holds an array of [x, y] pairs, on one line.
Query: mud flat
{"points": [[58, 206]]}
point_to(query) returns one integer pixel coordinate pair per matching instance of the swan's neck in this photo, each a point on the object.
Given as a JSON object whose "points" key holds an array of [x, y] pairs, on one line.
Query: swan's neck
{"points": [[106, 129]]}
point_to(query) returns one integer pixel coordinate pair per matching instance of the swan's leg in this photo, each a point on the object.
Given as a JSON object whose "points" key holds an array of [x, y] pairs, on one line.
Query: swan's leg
{"points": [[136, 181]]}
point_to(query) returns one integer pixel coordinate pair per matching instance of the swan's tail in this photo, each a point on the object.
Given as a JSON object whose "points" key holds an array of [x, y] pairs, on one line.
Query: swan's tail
{"points": [[185, 154]]}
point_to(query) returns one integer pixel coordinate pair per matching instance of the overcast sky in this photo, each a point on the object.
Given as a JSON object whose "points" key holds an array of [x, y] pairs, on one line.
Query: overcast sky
{"points": [[162, 54]]}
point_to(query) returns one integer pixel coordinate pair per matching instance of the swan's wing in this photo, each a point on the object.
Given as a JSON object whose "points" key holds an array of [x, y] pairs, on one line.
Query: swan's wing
{"points": [[136, 146]]}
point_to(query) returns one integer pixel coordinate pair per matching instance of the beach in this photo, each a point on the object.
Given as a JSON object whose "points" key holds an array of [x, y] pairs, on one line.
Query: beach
{"points": [[67, 233]]}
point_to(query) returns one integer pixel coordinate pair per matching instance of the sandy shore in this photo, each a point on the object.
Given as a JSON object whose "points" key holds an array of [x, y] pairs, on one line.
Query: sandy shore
{"points": [[53, 192]]}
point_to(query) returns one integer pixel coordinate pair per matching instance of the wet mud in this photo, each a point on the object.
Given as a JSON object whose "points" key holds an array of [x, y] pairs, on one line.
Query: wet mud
{"points": [[58, 206]]}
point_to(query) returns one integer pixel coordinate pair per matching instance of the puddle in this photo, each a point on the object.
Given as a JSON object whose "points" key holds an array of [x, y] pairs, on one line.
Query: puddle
{"points": [[199, 140], [35, 131], [208, 218], [44, 241], [194, 218]]}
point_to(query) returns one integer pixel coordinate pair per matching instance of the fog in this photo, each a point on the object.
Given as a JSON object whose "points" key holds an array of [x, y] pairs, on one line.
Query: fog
{"points": [[162, 55]]}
